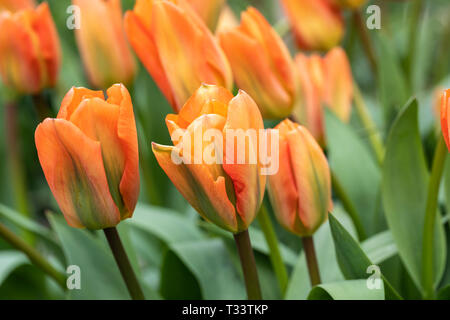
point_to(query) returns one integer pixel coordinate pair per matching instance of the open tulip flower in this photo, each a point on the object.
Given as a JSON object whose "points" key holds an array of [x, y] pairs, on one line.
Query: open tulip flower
{"points": [[300, 191], [104, 48], [261, 64], [29, 49], [317, 24], [325, 81], [89, 155], [227, 193], [177, 48]]}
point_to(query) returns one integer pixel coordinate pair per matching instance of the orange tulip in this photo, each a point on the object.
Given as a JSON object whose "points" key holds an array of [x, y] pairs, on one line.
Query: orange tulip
{"points": [[16, 5], [349, 4], [89, 155], [300, 192], [103, 45], [208, 10], [445, 104], [325, 81], [227, 193], [261, 64], [177, 48], [317, 24], [227, 20], [29, 49]]}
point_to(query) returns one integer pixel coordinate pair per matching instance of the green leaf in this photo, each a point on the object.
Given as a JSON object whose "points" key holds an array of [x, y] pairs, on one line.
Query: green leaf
{"points": [[9, 261], [206, 261], [404, 193], [100, 276], [380, 247], [356, 171], [346, 290], [352, 260]]}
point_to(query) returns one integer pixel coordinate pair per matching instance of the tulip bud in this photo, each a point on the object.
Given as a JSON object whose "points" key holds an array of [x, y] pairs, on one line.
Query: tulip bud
{"points": [[177, 48], [324, 81], [445, 104], [261, 64], [349, 4], [208, 10], [300, 192], [317, 24], [89, 155], [16, 5], [29, 49], [104, 49], [224, 191]]}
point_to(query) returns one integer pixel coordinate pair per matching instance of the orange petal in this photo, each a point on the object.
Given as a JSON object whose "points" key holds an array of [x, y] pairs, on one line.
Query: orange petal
{"points": [[249, 184], [73, 98], [73, 166], [445, 102]]}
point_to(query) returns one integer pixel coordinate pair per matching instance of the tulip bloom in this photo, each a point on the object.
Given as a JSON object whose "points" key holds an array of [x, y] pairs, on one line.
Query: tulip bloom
{"points": [[208, 10], [177, 48], [349, 4], [29, 49], [317, 24], [261, 64], [16, 5], [227, 193], [89, 155], [102, 42], [445, 104], [326, 81], [300, 192]]}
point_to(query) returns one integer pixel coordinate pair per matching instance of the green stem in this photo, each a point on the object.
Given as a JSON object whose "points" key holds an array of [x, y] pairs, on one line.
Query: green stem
{"points": [[430, 218], [274, 250], [35, 257], [417, 6], [365, 39], [348, 206], [16, 164], [248, 264], [369, 125], [311, 260], [123, 263]]}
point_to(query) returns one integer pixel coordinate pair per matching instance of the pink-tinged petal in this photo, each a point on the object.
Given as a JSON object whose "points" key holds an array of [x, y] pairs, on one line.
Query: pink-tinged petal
{"points": [[73, 166], [244, 117], [445, 103]]}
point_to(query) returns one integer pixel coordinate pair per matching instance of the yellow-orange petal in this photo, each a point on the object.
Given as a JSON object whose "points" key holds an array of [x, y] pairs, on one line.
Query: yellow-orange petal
{"points": [[73, 166], [249, 184], [73, 98]]}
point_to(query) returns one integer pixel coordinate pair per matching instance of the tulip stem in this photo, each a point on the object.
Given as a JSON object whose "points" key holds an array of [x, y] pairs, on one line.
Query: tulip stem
{"points": [[370, 127], [365, 39], [416, 8], [248, 264], [348, 206], [123, 263], [35, 257], [274, 250], [430, 218], [311, 260], [16, 164]]}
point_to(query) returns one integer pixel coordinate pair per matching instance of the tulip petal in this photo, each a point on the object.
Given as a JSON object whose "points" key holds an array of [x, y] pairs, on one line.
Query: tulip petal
{"points": [[74, 170], [244, 117], [73, 99], [445, 103]]}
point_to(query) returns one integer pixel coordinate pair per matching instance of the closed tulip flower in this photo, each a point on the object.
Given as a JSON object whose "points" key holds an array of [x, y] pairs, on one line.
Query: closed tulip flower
{"points": [[261, 64], [29, 49], [101, 39], [177, 48], [227, 193], [300, 192], [445, 104], [208, 10], [317, 24], [325, 82], [89, 155], [16, 5]]}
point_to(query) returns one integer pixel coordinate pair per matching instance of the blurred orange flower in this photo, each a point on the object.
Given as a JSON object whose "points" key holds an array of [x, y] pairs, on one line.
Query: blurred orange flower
{"points": [[208, 10], [89, 155], [300, 192], [317, 24], [16, 5], [350, 4], [177, 48], [445, 104], [227, 193], [261, 64], [103, 45], [29, 49]]}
